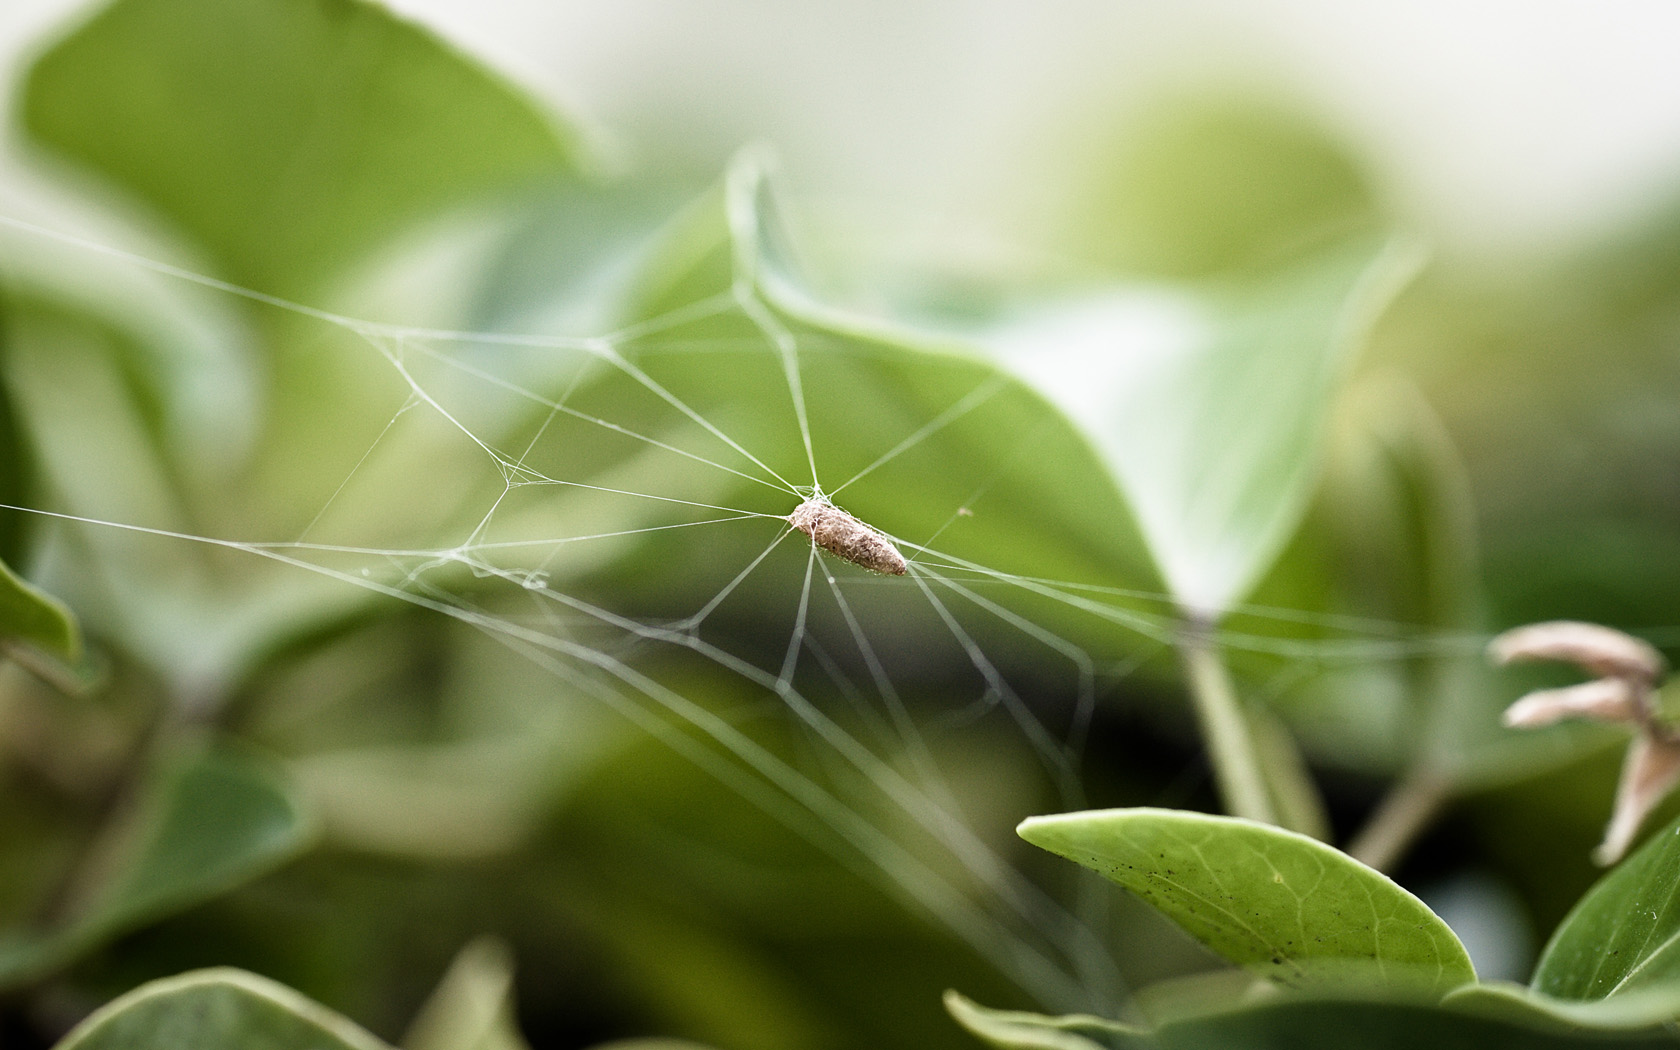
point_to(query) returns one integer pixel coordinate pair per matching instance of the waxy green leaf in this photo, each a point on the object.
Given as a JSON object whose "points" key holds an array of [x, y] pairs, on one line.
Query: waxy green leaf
{"points": [[225, 1009], [1624, 935], [1290, 907]]}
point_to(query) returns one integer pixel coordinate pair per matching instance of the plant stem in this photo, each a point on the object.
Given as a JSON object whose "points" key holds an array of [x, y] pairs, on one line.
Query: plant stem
{"points": [[46, 669], [1409, 807], [1225, 730]]}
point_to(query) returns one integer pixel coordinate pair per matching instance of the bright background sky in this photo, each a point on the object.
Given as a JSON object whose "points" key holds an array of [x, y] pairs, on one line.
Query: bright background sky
{"points": [[1494, 125]]}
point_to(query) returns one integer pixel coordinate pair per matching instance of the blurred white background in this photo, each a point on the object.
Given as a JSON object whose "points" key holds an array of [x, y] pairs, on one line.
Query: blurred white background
{"points": [[1493, 125]]}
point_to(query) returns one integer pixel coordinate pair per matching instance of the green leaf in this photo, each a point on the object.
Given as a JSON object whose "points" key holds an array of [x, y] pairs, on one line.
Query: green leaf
{"points": [[1209, 402], [207, 822], [221, 1009], [1335, 1024], [1207, 184], [1645, 1007], [1624, 935], [1021, 1030], [928, 441], [31, 615], [193, 614], [1287, 906], [472, 1007], [1476, 1017], [286, 137]]}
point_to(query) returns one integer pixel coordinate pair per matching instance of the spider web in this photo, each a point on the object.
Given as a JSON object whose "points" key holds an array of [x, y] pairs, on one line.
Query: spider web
{"points": [[606, 502]]}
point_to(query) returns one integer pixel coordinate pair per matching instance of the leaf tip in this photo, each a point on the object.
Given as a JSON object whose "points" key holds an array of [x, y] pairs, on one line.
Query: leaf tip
{"points": [[1037, 830]]}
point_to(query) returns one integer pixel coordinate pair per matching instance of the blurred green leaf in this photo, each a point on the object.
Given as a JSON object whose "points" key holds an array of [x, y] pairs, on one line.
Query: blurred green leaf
{"points": [[16, 464], [732, 244], [1210, 403], [1649, 1006], [287, 138], [1476, 1017], [31, 615], [1406, 520], [1624, 935], [221, 1009], [290, 139], [1384, 569], [1283, 904], [472, 1007], [465, 763], [738, 920], [1306, 1024], [920, 437], [570, 259], [1196, 994], [1019, 1030], [206, 821], [1199, 186], [1210, 406], [649, 1044], [193, 611]]}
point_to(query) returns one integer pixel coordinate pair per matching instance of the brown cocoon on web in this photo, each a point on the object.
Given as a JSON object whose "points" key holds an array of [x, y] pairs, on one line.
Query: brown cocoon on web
{"points": [[844, 536]]}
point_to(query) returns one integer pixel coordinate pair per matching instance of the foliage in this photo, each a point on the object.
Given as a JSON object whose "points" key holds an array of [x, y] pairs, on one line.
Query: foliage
{"points": [[300, 685], [1298, 911]]}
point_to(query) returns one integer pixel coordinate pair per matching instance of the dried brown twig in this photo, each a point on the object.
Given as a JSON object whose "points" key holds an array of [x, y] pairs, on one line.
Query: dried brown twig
{"points": [[1624, 691]]}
